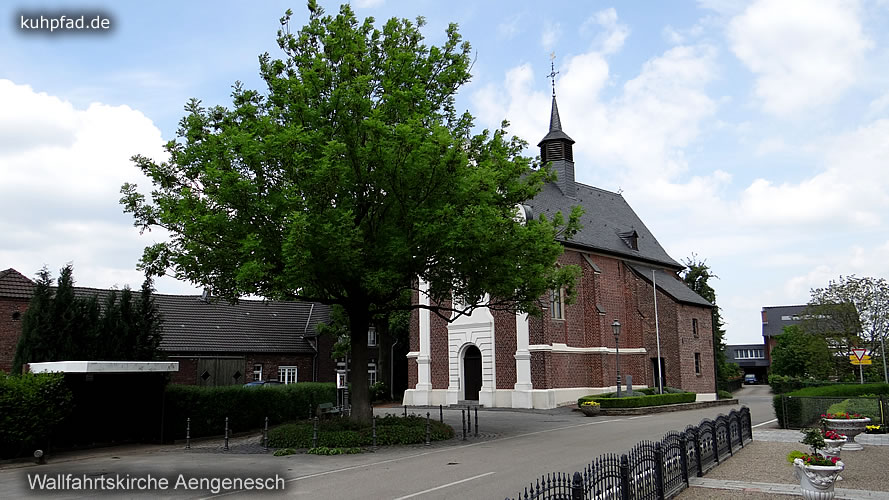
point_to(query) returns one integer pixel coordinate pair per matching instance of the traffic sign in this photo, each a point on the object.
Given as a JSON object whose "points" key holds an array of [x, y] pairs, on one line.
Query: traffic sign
{"points": [[862, 362], [859, 353]]}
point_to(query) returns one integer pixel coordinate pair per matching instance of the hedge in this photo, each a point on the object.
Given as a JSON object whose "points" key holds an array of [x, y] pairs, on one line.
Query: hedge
{"points": [[344, 433], [805, 406], [641, 401], [782, 384], [245, 407], [31, 406]]}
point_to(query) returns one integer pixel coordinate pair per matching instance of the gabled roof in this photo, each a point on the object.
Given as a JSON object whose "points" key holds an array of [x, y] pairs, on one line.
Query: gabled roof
{"points": [[775, 318], [192, 325], [14, 284], [668, 283], [606, 217]]}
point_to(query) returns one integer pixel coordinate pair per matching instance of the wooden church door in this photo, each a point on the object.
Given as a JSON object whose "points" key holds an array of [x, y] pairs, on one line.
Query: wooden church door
{"points": [[472, 373]]}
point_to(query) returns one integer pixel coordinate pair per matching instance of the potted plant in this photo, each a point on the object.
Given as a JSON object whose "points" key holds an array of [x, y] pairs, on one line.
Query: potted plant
{"points": [[849, 424], [590, 408], [816, 474], [833, 442]]}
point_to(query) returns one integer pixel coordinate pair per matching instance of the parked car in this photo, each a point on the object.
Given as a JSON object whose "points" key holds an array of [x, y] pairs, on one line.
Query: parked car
{"points": [[750, 379], [263, 383]]}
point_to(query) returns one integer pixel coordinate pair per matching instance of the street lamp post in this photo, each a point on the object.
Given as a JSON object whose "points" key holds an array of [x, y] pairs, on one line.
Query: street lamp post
{"points": [[615, 328]]}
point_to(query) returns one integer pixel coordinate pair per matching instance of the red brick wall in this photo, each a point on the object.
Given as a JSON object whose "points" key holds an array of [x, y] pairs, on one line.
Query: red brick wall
{"points": [[10, 329], [188, 367], [188, 371], [703, 345], [438, 350], [505, 346]]}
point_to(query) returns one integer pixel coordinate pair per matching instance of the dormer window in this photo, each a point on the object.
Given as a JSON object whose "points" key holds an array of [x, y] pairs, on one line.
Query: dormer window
{"points": [[631, 238]]}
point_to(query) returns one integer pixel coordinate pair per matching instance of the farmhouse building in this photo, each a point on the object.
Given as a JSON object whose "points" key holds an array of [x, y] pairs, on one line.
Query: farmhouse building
{"points": [[502, 359]]}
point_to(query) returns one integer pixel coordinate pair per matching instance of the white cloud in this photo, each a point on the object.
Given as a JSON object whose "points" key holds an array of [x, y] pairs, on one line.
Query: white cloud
{"points": [[364, 4], [611, 34], [63, 183], [551, 34], [804, 54], [509, 28]]}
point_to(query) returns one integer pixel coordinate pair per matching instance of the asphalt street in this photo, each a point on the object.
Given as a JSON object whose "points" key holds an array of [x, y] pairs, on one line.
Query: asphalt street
{"points": [[513, 449]]}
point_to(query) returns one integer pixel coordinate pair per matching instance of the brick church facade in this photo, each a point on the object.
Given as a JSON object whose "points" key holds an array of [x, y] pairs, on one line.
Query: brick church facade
{"points": [[502, 359]]}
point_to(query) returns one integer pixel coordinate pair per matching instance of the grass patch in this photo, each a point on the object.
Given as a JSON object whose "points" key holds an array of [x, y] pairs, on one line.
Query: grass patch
{"points": [[609, 401], [323, 450], [344, 433]]}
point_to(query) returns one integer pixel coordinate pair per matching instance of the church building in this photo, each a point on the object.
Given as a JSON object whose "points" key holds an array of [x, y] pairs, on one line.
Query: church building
{"points": [[502, 359]]}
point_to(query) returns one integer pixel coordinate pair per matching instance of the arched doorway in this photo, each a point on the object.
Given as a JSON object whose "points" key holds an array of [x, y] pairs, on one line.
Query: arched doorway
{"points": [[472, 373]]}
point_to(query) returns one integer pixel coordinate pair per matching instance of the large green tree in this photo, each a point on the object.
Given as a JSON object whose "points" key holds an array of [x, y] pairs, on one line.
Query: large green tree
{"points": [[697, 275], [59, 326], [851, 312], [348, 180], [798, 353]]}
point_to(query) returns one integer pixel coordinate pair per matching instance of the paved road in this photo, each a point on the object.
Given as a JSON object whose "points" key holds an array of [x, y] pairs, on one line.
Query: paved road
{"points": [[513, 448]]}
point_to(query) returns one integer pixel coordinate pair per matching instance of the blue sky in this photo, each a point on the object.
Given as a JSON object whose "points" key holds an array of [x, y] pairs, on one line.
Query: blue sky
{"points": [[752, 134]]}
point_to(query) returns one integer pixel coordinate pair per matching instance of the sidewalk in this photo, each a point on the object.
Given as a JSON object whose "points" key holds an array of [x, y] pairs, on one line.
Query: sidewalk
{"points": [[760, 470]]}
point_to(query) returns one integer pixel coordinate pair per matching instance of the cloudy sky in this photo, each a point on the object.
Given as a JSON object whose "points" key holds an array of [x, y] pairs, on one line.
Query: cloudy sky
{"points": [[754, 135]]}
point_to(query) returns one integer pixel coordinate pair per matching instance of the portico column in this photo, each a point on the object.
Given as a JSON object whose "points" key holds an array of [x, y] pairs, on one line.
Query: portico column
{"points": [[424, 378]]}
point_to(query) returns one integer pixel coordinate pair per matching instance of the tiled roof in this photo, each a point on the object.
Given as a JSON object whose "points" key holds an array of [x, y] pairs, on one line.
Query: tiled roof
{"points": [[777, 317], [606, 216], [668, 283], [14, 284], [195, 326]]}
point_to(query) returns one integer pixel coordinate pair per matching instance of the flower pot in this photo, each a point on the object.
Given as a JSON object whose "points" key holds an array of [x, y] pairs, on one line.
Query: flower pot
{"points": [[851, 427], [590, 411], [833, 447], [816, 481]]}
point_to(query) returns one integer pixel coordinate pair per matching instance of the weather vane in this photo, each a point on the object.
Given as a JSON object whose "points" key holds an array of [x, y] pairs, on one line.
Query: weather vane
{"points": [[552, 71]]}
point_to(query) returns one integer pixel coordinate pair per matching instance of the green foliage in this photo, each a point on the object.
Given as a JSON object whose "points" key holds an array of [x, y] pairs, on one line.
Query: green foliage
{"points": [[59, 326], [324, 450], [843, 390], [31, 406], [793, 455], [245, 407], [724, 395], [283, 452], [869, 407], [803, 354], [344, 433], [640, 401], [814, 439], [805, 406], [349, 178], [379, 392]]}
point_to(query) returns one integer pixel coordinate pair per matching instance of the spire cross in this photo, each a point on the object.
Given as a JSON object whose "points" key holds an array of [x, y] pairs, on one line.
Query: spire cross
{"points": [[552, 71]]}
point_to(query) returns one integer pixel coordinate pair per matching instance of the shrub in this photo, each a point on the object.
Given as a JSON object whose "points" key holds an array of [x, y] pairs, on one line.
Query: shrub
{"points": [[343, 433], [379, 392], [640, 401], [31, 406], [805, 406], [866, 407], [724, 395], [245, 407], [283, 452], [324, 450]]}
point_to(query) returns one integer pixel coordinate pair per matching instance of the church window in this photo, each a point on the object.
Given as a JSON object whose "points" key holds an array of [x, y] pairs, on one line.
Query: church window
{"points": [[557, 304], [694, 327], [697, 363]]}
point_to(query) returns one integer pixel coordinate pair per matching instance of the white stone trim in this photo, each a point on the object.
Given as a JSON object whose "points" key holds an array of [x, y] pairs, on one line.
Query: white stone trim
{"points": [[564, 348], [412, 355], [706, 396], [476, 328], [104, 367], [542, 399]]}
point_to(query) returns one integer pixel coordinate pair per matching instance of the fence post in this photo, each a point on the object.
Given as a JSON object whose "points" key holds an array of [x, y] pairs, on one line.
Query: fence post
{"points": [[577, 487], [659, 469], [188, 433], [463, 415], [315, 433], [476, 421], [700, 469], [783, 421], [683, 457], [440, 414], [405, 411], [265, 435], [624, 477], [225, 448], [882, 417], [374, 427], [469, 417], [427, 428]]}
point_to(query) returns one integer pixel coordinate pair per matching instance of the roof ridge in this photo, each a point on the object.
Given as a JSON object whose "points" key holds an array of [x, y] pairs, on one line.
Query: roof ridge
{"points": [[597, 188]]}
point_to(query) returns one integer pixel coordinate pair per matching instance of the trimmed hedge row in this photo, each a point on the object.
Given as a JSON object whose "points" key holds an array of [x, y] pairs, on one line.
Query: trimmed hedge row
{"points": [[641, 401], [805, 406], [343, 433], [782, 384], [31, 406], [245, 407]]}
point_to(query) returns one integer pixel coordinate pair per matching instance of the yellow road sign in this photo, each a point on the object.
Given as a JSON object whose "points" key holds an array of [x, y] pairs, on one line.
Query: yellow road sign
{"points": [[866, 361]]}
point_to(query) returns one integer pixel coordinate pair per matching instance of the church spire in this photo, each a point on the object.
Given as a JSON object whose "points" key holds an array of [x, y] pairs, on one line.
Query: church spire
{"points": [[556, 147]]}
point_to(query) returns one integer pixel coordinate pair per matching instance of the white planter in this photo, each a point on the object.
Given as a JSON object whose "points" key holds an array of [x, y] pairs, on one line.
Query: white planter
{"points": [[833, 447], [851, 427], [817, 481]]}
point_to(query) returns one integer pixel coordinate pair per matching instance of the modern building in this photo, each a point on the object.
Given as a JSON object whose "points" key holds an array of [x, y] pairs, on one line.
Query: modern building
{"points": [[502, 359], [774, 319], [751, 358]]}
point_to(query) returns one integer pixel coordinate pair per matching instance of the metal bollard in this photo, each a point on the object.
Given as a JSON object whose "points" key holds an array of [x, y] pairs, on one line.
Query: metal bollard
{"points": [[374, 427], [463, 415], [225, 448], [188, 433], [476, 421], [469, 417], [265, 435], [440, 414], [427, 428], [315, 433], [405, 411]]}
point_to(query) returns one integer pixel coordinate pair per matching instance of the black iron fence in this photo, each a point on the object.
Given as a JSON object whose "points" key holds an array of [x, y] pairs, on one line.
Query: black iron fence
{"points": [[797, 412], [650, 470]]}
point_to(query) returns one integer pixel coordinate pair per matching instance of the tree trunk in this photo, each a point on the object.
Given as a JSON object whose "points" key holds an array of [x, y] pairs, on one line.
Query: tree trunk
{"points": [[358, 324], [384, 366]]}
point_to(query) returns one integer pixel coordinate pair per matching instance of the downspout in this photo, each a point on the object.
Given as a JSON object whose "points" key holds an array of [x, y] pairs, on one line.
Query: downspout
{"points": [[392, 370], [313, 344]]}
